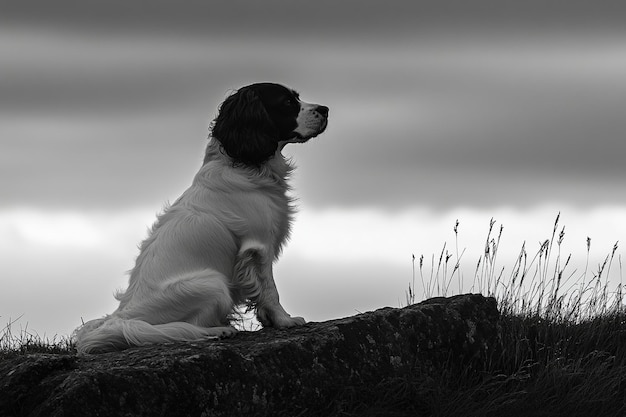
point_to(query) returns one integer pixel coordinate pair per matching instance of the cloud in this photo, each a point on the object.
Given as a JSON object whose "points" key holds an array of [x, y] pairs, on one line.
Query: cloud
{"points": [[476, 124], [56, 72], [91, 163], [324, 18], [120, 119]]}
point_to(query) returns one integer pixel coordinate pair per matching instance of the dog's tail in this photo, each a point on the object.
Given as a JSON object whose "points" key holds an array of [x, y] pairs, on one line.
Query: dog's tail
{"points": [[113, 333], [202, 292]]}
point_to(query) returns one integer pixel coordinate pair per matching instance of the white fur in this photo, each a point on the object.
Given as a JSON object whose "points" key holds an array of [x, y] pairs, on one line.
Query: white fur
{"points": [[209, 251], [310, 123], [251, 244]]}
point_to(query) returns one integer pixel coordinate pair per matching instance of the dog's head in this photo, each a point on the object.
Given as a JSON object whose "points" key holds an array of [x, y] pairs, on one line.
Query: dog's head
{"points": [[258, 119]]}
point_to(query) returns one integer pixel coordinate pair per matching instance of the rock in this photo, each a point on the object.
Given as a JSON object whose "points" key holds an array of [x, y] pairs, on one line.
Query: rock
{"points": [[296, 371]]}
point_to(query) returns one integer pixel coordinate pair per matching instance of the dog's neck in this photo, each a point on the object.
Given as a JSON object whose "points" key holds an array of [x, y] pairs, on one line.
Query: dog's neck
{"points": [[277, 168]]}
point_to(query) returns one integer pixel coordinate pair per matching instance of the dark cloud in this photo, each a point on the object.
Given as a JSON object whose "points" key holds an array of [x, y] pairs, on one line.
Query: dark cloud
{"points": [[476, 140], [320, 18], [65, 73], [104, 163], [109, 105]]}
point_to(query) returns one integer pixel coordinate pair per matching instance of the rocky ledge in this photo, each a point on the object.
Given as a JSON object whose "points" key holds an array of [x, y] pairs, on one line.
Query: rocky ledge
{"points": [[292, 372]]}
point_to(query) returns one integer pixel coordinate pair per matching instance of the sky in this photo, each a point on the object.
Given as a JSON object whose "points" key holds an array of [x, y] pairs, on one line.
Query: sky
{"points": [[439, 111]]}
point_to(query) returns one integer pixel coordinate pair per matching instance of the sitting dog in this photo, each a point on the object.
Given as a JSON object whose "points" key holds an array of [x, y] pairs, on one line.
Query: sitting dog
{"points": [[213, 249]]}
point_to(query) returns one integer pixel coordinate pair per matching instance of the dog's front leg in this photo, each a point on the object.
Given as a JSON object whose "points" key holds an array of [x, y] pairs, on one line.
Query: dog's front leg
{"points": [[269, 311], [254, 278]]}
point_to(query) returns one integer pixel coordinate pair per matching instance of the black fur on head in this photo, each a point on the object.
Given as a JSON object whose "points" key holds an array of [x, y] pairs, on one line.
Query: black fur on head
{"points": [[253, 120]]}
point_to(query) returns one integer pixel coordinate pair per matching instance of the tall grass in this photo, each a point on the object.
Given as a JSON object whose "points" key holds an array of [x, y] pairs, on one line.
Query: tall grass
{"points": [[540, 285], [563, 333]]}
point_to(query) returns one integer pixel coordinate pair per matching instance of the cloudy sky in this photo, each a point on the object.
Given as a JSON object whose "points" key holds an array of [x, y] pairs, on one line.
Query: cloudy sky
{"points": [[439, 111]]}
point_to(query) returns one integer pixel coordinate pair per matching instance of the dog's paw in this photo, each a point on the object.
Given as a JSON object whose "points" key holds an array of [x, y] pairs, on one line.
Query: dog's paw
{"points": [[220, 332], [228, 331], [293, 322], [278, 320]]}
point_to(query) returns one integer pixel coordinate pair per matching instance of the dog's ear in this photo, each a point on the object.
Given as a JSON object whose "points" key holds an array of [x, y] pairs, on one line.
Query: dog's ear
{"points": [[244, 128]]}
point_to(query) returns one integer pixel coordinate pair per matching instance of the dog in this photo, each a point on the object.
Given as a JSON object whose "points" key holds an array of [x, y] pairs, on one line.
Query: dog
{"points": [[213, 248]]}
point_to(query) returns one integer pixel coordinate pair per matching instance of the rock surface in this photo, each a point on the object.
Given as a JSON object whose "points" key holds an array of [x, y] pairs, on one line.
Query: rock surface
{"points": [[270, 372]]}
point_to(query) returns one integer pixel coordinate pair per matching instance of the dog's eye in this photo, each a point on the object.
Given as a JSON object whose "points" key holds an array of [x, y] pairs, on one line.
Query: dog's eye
{"points": [[288, 103]]}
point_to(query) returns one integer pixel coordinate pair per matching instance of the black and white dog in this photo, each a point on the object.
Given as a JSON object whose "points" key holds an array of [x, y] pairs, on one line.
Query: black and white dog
{"points": [[214, 247]]}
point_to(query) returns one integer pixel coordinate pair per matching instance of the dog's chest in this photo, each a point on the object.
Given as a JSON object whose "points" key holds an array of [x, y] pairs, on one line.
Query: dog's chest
{"points": [[279, 216]]}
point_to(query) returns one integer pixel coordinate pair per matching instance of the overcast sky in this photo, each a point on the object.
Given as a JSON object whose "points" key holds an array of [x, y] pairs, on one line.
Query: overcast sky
{"points": [[438, 111]]}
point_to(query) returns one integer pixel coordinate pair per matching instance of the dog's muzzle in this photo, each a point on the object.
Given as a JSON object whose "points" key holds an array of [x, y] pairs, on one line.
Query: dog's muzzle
{"points": [[312, 121]]}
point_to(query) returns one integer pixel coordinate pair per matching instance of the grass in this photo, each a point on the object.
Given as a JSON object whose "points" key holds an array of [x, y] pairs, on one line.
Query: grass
{"points": [[563, 335], [563, 340], [25, 341]]}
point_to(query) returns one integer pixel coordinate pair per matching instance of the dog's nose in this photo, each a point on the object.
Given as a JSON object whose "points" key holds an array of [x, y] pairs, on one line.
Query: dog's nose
{"points": [[323, 110]]}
